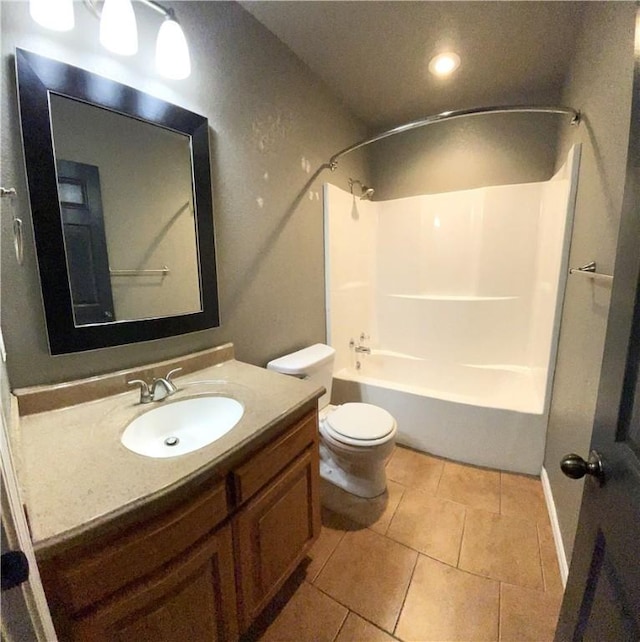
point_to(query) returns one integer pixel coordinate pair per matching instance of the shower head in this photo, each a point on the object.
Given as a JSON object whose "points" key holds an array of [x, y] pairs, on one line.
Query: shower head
{"points": [[365, 192]]}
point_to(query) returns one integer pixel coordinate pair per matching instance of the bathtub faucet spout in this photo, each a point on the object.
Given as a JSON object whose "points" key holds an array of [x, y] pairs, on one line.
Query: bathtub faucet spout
{"points": [[364, 349]]}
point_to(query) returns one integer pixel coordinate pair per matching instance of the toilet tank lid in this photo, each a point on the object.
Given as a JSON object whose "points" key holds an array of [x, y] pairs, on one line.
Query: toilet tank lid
{"points": [[302, 361]]}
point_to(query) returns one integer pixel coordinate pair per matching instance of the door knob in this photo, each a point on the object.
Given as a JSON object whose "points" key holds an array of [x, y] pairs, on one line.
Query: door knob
{"points": [[574, 466], [15, 569]]}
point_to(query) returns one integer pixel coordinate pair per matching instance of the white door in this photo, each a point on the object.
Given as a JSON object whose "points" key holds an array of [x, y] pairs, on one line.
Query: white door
{"points": [[25, 614]]}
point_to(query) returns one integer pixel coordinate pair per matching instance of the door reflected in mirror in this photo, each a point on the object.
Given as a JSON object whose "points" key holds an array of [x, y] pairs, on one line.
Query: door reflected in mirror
{"points": [[128, 220]]}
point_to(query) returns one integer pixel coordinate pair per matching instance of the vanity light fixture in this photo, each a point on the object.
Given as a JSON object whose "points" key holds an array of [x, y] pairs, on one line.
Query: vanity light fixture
{"points": [[172, 51], [444, 64], [119, 32], [53, 14], [118, 28]]}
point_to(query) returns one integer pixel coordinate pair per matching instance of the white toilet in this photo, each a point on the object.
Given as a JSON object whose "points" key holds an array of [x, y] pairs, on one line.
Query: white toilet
{"points": [[356, 439]]}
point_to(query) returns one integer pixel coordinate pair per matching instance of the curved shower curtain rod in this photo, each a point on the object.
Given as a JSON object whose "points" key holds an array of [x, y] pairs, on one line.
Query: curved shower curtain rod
{"points": [[450, 115]]}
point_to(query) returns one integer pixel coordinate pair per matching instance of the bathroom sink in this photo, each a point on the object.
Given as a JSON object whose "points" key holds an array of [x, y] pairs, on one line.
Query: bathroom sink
{"points": [[179, 427]]}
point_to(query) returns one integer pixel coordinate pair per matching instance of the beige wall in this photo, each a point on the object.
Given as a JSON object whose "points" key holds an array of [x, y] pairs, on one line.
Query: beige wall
{"points": [[600, 84], [463, 154], [267, 112]]}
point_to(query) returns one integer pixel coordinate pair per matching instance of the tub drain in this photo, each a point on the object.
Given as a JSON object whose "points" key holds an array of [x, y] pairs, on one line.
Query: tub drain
{"points": [[171, 441]]}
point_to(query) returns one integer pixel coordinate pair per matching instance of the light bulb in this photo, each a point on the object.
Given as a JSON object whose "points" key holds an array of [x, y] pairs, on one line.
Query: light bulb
{"points": [[118, 29], [53, 14], [444, 64], [172, 51]]}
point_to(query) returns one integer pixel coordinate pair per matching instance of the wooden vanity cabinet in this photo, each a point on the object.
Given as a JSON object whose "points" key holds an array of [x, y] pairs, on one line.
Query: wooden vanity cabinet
{"points": [[158, 580], [276, 527], [204, 570], [192, 599]]}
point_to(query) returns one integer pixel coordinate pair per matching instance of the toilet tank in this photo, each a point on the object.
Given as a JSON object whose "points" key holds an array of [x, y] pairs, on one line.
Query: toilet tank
{"points": [[314, 363]]}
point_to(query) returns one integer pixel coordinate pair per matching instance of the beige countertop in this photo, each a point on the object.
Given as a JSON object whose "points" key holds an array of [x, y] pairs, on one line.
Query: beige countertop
{"points": [[78, 477]]}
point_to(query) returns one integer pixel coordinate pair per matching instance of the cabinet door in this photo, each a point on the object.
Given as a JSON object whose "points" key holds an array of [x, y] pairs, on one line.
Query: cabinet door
{"points": [[192, 598], [274, 532], [84, 577]]}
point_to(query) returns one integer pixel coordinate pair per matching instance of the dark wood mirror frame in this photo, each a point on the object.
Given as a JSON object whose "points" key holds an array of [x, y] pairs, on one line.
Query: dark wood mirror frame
{"points": [[37, 78]]}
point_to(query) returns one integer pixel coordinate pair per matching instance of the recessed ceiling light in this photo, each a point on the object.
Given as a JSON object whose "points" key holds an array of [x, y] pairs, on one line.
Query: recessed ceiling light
{"points": [[444, 64]]}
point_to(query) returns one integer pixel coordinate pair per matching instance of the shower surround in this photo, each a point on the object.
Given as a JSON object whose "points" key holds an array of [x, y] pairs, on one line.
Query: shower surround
{"points": [[458, 296]]}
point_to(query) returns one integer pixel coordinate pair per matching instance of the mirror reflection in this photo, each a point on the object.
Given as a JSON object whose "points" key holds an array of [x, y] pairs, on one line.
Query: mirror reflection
{"points": [[130, 231], [122, 256]]}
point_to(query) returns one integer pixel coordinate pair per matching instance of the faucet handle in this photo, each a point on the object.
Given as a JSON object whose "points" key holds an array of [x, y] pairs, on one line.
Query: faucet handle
{"points": [[364, 337], [171, 373], [145, 393]]}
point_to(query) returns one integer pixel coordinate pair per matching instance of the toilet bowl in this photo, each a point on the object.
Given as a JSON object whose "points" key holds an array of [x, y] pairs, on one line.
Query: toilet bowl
{"points": [[356, 439]]}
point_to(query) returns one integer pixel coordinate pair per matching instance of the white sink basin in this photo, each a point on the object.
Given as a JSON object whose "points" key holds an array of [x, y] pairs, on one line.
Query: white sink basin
{"points": [[179, 427]]}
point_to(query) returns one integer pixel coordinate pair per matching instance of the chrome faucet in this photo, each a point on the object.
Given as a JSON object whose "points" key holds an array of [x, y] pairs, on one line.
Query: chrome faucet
{"points": [[359, 347], [161, 387]]}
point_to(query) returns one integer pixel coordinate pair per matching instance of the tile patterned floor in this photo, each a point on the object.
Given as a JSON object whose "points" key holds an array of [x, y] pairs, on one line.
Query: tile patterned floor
{"points": [[450, 553]]}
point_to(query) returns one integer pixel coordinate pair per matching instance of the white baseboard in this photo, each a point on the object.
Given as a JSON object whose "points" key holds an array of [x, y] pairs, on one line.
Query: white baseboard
{"points": [[555, 526]]}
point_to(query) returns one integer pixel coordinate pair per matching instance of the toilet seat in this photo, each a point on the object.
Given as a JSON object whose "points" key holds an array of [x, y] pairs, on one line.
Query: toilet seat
{"points": [[360, 424]]}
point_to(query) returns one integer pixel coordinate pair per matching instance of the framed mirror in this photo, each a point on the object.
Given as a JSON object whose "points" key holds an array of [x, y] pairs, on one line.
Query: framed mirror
{"points": [[120, 191]]}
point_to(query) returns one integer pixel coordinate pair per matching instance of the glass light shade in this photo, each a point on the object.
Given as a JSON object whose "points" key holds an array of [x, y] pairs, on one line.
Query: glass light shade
{"points": [[444, 64], [53, 14], [118, 29], [172, 51]]}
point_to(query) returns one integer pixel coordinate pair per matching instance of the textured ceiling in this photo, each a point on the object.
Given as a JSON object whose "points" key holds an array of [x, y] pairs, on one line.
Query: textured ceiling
{"points": [[374, 54]]}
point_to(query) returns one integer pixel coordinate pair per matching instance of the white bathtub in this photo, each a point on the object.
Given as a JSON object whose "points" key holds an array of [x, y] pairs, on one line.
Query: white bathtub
{"points": [[488, 416], [464, 291]]}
